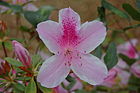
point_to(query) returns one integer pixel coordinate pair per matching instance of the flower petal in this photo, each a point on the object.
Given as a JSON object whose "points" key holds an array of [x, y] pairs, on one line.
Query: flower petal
{"points": [[60, 89], [111, 74], [91, 34], [128, 48], [70, 24], [124, 77], [89, 68], [68, 17], [53, 71], [49, 32], [135, 69]]}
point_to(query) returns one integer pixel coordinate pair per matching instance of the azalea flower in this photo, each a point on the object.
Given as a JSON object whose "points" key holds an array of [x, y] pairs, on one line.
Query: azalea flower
{"points": [[120, 70], [123, 74], [71, 43], [135, 69], [127, 49], [29, 7], [22, 54], [110, 80], [16, 1], [60, 89], [3, 9], [43, 55], [20, 1]]}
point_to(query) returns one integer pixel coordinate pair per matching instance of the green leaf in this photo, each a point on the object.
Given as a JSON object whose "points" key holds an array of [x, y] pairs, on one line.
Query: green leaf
{"points": [[18, 88], [25, 29], [128, 60], [35, 17], [131, 27], [31, 88], [17, 39], [138, 4], [8, 45], [111, 57], [13, 62], [36, 60], [23, 78], [17, 8], [72, 82], [132, 12], [113, 9], [102, 88], [98, 52], [4, 4], [101, 12], [134, 83], [81, 91], [43, 89]]}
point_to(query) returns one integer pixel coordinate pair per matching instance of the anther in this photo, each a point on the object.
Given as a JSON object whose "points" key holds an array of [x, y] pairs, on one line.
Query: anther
{"points": [[77, 54]]}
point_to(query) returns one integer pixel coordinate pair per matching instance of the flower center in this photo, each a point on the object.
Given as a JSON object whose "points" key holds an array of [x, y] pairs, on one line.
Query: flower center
{"points": [[68, 53], [71, 54]]}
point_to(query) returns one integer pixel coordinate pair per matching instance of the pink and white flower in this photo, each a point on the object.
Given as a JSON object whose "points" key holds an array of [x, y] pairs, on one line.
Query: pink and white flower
{"points": [[128, 49], [135, 69], [110, 80], [16, 1], [29, 7], [123, 74], [71, 43], [120, 70]]}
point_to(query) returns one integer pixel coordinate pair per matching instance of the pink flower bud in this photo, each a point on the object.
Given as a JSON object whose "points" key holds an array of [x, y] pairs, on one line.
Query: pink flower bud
{"points": [[22, 54], [4, 67]]}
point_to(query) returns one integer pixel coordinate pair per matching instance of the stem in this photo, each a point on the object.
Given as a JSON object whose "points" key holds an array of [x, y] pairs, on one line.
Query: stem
{"points": [[4, 49], [17, 23]]}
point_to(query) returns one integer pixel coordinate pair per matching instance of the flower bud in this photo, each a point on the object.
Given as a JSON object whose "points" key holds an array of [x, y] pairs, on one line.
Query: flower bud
{"points": [[3, 26], [4, 67], [22, 54]]}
